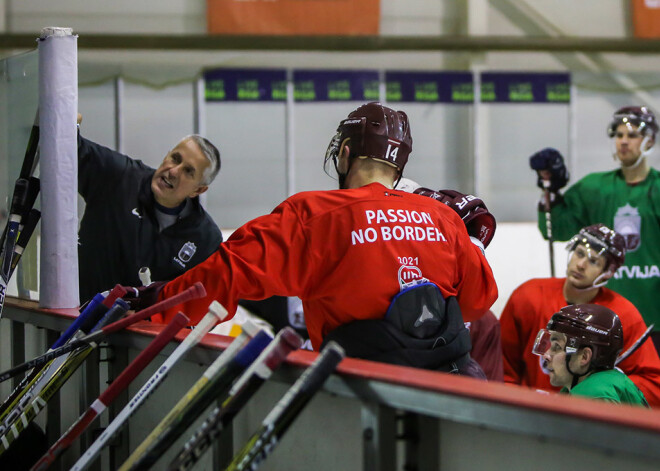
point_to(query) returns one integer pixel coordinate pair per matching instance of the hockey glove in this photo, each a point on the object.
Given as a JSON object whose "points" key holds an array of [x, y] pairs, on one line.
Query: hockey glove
{"points": [[480, 223], [144, 296], [551, 160]]}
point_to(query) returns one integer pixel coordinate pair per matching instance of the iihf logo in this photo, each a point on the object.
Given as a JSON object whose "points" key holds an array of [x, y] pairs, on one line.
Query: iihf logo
{"points": [[409, 276], [186, 253]]}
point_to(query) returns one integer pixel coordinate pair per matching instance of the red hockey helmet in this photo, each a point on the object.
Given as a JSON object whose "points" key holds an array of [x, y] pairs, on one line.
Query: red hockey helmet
{"points": [[604, 241], [375, 131], [590, 325]]}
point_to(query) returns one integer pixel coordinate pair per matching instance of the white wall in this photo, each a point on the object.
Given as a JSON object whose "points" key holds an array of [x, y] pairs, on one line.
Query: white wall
{"points": [[412, 17]]}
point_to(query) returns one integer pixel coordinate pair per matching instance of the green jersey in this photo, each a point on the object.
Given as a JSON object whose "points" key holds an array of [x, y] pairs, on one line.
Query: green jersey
{"points": [[631, 210], [611, 386]]}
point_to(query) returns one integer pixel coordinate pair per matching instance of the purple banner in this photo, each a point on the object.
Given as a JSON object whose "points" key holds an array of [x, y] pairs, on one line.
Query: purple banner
{"points": [[245, 85], [324, 85], [529, 87], [429, 87]]}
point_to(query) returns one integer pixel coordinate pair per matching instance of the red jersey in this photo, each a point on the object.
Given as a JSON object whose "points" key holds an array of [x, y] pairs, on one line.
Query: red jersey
{"points": [[346, 254], [529, 309]]}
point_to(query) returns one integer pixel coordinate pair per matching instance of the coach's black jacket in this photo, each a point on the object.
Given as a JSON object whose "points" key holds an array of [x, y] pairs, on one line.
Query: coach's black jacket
{"points": [[119, 232]]}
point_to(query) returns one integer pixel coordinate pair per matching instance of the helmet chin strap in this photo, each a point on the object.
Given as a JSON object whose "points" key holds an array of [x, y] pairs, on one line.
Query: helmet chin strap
{"points": [[576, 376], [596, 283], [642, 155], [341, 177]]}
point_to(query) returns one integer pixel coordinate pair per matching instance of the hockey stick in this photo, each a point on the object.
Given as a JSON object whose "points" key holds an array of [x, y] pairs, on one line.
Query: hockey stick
{"points": [[31, 158], [84, 323], [17, 209], [215, 314], [28, 196], [214, 382], [15, 423], [633, 348], [193, 292], [30, 224], [548, 225], [98, 317], [110, 394], [103, 316], [96, 310], [276, 423], [240, 393], [29, 161]]}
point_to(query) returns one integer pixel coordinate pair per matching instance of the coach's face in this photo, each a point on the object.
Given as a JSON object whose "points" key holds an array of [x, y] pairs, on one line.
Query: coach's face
{"points": [[180, 175]]}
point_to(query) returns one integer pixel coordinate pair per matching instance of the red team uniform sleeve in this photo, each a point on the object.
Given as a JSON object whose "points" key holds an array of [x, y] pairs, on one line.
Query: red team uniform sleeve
{"points": [[477, 290], [643, 366], [512, 342], [244, 265]]}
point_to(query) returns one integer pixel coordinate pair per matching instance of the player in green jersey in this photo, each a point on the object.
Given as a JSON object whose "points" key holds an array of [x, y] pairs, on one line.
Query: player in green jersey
{"points": [[626, 199]]}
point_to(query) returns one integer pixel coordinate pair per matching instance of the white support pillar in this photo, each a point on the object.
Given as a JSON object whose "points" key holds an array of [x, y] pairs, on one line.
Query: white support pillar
{"points": [[58, 106]]}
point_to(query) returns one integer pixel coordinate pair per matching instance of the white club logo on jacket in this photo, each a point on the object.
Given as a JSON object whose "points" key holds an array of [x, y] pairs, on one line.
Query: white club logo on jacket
{"points": [[185, 253]]}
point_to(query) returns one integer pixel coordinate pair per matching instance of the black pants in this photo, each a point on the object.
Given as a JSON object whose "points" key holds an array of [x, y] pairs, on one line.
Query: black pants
{"points": [[23, 452]]}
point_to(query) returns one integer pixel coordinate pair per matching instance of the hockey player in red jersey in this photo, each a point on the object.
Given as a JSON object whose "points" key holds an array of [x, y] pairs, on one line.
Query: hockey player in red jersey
{"points": [[595, 253], [348, 252]]}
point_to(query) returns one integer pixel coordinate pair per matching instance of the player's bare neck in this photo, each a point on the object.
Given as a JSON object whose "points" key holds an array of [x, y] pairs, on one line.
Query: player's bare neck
{"points": [[636, 174], [575, 295], [364, 173]]}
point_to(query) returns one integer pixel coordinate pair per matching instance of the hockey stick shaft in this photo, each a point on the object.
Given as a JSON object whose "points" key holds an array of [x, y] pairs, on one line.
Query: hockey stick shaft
{"points": [[244, 388], [276, 423], [24, 237], [40, 402], [633, 348], [19, 391], [31, 151], [17, 208], [110, 394], [193, 292], [216, 313], [27, 168], [196, 400], [115, 312], [548, 226], [28, 414]]}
